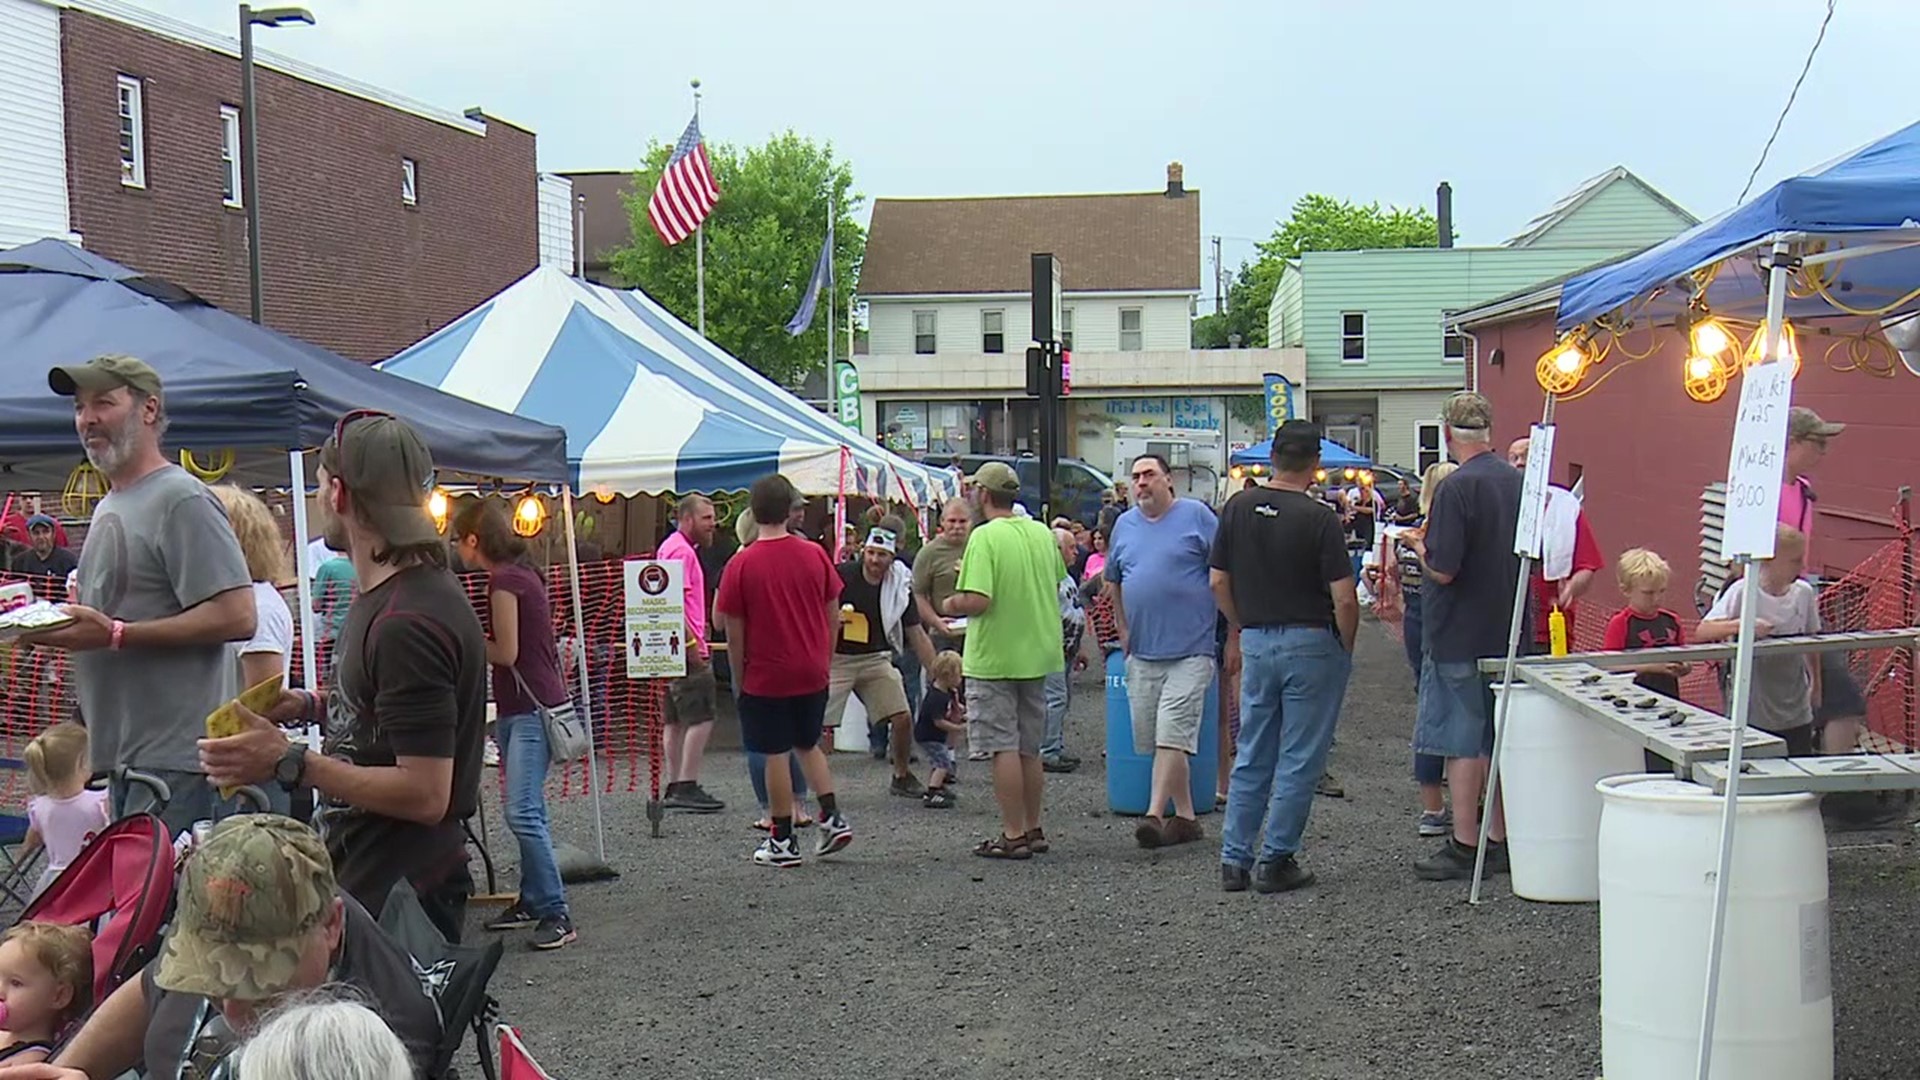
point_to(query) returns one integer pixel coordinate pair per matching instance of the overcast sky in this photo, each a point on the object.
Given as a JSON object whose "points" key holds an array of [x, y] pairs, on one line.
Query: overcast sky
{"points": [[1263, 101]]}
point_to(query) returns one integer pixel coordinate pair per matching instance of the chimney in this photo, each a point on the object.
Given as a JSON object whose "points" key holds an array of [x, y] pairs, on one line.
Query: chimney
{"points": [[1176, 186], [1444, 212]]}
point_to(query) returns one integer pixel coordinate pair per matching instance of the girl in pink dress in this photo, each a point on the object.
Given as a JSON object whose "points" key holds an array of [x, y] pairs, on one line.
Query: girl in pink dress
{"points": [[63, 814]]}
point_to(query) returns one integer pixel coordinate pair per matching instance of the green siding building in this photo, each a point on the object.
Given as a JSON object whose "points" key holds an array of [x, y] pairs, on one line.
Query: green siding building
{"points": [[1378, 360]]}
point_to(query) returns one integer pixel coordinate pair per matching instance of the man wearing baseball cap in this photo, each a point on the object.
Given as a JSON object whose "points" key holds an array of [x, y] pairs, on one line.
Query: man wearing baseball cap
{"points": [[878, 619], [162, 588], [260, 917], [407, 708], [1807, 437]]}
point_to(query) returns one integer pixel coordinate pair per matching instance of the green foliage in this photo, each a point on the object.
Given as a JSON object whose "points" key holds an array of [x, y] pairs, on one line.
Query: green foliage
{"points": [[762, 240], [1317, 223], [1250, 410]]}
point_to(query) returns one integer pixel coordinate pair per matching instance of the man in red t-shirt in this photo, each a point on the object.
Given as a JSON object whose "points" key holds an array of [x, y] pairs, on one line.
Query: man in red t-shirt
{"points": [[780, 602], [1562, 592]]}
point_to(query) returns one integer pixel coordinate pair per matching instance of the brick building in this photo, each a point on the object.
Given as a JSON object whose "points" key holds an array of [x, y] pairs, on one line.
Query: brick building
{"points": [[382, 218]]}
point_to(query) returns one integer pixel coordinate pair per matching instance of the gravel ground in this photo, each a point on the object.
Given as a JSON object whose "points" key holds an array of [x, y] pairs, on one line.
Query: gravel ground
{"points": [[908, 957]]}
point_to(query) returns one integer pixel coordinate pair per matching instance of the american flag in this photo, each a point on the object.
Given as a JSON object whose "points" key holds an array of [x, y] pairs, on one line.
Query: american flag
{"points": [[686, 193]]}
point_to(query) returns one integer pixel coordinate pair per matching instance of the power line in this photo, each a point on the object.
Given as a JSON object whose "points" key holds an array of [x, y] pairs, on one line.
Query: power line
{"points": [[1794, 93]]}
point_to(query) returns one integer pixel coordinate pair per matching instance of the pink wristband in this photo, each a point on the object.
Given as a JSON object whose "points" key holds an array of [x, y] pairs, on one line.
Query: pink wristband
{"points": [[117, 634]]}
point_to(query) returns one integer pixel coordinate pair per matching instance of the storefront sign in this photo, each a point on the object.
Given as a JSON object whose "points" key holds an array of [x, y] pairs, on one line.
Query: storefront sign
{"points": [[656, 624], [1279, 399], [846, 393]]}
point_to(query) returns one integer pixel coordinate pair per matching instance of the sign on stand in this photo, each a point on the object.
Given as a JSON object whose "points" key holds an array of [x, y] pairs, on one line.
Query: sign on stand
{"points": [[1533, 491], [656, 625], [1754, 468]]}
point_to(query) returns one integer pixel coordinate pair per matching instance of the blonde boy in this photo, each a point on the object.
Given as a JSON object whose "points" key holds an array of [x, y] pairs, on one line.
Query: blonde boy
{"points": [[1786, 689]]}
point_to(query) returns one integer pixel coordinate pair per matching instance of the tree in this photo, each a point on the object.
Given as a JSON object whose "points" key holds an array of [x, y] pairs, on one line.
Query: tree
{"points": [[763, 239], [1317, 223]]}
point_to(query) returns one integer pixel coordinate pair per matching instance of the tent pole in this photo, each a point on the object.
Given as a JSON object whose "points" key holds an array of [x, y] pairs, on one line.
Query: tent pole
{"points": [[1742, 696], [303, 560], [580, 663]]}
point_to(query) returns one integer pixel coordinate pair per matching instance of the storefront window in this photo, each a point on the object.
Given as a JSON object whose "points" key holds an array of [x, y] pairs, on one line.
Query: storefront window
{"points": [[903, 426], [949, 427]]}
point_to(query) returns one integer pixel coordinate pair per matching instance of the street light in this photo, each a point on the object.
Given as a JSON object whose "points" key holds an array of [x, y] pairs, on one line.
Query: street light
{"points": [[250, 132]]}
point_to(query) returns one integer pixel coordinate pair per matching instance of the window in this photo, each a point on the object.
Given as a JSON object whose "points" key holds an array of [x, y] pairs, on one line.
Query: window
{"points": [[409, 182], [993, 331], [1454, 348], [1429, 449], [923, 338], [1353, 337], [230, 155], [133, 132], [1130, 329], [1065, 329]]}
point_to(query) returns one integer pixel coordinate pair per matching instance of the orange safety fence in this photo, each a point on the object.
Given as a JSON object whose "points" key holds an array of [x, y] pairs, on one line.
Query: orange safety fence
{"points": [[36, 685]]}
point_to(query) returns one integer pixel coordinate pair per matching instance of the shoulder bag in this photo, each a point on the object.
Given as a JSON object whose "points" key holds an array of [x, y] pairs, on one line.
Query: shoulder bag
{"points": [[567, 736]]}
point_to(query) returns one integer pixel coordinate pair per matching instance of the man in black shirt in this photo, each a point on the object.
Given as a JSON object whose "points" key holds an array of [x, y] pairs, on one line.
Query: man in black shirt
{"points": [[46, 560], [1471, 574], [1281, 576], [878, 618], [260, 917], [407, 708]]}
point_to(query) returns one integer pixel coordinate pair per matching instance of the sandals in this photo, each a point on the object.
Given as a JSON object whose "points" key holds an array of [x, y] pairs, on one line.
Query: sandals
{"points": [[1004, 847], [1037, 841]]}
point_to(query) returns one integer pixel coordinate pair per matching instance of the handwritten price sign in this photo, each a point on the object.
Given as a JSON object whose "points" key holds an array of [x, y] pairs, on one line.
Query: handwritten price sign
{"points": [[1754, 468]]}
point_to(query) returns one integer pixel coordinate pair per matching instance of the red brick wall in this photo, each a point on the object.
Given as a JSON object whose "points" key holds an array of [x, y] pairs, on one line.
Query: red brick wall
{"points": [[1648, 451], [345, 264]]}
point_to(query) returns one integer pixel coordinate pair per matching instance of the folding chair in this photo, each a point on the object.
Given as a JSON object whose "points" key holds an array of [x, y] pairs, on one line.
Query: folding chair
{"points": [[461, 994]]}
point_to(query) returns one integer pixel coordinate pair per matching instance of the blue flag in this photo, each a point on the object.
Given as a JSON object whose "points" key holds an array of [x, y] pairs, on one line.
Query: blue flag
{"points": [[822, 279]]}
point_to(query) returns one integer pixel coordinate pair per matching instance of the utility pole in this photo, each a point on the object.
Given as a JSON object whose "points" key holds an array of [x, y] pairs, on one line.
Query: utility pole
{"points": [[250, 137], [1044, 371], [1219, 289]]}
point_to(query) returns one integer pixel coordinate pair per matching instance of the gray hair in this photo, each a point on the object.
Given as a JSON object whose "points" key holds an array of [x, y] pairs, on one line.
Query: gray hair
{"points": [[160, 420], [325, 1035], [1470, 434]]}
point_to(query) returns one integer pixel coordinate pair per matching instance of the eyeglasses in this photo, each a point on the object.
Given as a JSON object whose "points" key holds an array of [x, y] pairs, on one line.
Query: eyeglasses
{"points": [[340, 430]]}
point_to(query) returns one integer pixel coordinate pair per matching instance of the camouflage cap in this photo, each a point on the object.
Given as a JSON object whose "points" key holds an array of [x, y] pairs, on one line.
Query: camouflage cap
{"points": [[250, 897], [1467, 410]]}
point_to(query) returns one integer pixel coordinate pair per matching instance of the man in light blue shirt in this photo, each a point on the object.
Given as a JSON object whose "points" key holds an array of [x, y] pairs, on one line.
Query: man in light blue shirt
{"points": [[1157, 569]]}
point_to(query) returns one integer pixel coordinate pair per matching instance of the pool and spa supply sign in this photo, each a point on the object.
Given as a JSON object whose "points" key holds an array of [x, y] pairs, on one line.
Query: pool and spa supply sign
{"points": [[656, 637]]}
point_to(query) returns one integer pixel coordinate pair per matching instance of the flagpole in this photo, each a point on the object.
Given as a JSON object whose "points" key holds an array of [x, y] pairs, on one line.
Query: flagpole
{"points": [[699, 242], [830, 282]]}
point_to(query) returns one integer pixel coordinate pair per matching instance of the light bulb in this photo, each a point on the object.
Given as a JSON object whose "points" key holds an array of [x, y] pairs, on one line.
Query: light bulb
{"points": [[1710, 338], [528, 510], [437, 504], [1569, 359], [1700, 367]]}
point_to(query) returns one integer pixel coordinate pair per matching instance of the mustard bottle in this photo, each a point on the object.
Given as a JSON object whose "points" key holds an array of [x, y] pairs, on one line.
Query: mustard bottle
{"points": [[1557, 632]]}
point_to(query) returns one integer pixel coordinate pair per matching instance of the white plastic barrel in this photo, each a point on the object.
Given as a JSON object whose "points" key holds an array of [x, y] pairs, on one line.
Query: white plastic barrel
{"points": [[851, 736], [1549, 762], [1659, 850]]}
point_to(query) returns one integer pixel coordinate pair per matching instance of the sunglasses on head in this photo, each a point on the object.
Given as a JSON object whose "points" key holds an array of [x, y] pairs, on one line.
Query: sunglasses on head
{"points": [[345, 421]]}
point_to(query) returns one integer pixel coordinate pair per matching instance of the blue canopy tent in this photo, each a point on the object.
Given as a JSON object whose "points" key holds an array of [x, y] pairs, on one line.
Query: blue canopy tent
{"points": [[229, 383], [1332, 455]]}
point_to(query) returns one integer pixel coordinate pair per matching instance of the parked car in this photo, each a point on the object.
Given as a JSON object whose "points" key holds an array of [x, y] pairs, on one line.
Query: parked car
{"points": [[1077, 486]]}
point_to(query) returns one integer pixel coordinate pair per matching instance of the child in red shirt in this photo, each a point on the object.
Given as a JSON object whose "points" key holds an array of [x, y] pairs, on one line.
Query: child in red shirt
{"points": [[1645, 624]]}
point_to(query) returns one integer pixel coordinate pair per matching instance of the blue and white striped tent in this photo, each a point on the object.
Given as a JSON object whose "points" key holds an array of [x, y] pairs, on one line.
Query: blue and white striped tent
{"points": [[649, 406]]}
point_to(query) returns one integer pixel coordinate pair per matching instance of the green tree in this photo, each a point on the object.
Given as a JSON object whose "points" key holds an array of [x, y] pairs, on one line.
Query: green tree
{"points": [[1317, 223], [762, 241]]}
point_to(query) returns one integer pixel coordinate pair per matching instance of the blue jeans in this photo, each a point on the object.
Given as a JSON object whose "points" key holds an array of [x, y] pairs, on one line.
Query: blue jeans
{"points": [[524, 756], [757, 772], [1059, 691], [1292, 682], [193, 799], [1427, 769]]}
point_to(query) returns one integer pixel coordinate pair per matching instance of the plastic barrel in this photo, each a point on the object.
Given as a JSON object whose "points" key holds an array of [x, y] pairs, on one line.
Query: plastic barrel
{"points": [[851, 736], [1549, 763], [1130, 774], [1659, 851]]}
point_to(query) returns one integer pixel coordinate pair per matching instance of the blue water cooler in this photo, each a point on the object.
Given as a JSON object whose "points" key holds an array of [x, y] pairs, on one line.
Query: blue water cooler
{"points": [[1129, 774]]}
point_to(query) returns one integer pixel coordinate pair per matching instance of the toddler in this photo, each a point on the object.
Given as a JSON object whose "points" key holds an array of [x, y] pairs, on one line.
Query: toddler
{"points": [[941, 715], [1645, 624], [63, 815], [1785, 688], [46, 983]]}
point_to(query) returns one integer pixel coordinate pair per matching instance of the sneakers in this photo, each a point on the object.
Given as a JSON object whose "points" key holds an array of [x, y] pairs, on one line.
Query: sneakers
{"points": [[689, 796], [1280, 875], [907, 787], [938, 799], [780, 854], [1059, 763], [835, 835], [1436, 822], [1150, 833], [514, 918], [554, 932], [1329, 788], [1454, 862], [489, 754], [1233, 878]]}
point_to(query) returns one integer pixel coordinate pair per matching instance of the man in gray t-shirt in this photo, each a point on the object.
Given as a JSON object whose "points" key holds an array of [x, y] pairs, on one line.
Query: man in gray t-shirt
{"points": [[162, 588]]}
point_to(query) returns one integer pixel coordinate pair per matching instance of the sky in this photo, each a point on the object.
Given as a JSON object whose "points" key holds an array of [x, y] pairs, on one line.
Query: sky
{"points": [[1513, 103]]}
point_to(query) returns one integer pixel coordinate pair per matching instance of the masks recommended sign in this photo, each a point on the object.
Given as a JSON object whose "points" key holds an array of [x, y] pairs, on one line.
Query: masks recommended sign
{"points": [[656, 625]]}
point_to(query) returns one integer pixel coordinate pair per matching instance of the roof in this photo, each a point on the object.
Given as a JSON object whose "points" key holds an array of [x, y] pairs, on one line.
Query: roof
{"points": [[607, 226], [1540, 296], [1105, 243], [1580, 196]]}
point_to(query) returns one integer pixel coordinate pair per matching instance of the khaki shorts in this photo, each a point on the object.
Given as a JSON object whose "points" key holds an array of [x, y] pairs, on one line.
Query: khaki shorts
{"points": [[690, 698], [873, 678], [1168, 699], [1006, 715]]}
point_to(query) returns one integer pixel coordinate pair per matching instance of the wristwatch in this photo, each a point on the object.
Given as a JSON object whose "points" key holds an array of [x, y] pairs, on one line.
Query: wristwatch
{"points": [[292, 767]]}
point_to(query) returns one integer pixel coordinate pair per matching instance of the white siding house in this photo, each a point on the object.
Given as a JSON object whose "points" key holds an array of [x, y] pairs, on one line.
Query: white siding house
{"points": [[33, 147], [556, 222]]}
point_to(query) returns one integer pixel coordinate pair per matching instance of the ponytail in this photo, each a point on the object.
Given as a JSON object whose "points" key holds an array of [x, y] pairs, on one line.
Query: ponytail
{"points": [[486, 522]]}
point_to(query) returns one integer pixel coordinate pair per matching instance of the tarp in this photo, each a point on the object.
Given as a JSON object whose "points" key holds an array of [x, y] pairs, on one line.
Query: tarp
{"points": [[1873, 190], [229, 384], [1332, 455], [649, 405]]}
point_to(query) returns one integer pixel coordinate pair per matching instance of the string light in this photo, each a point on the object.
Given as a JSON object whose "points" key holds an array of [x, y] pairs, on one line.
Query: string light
{"points": [[602, 495], [1710, 337], [1560, 368], [1706, 379], [437, 504], [1789, 346], [530, 516]]}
